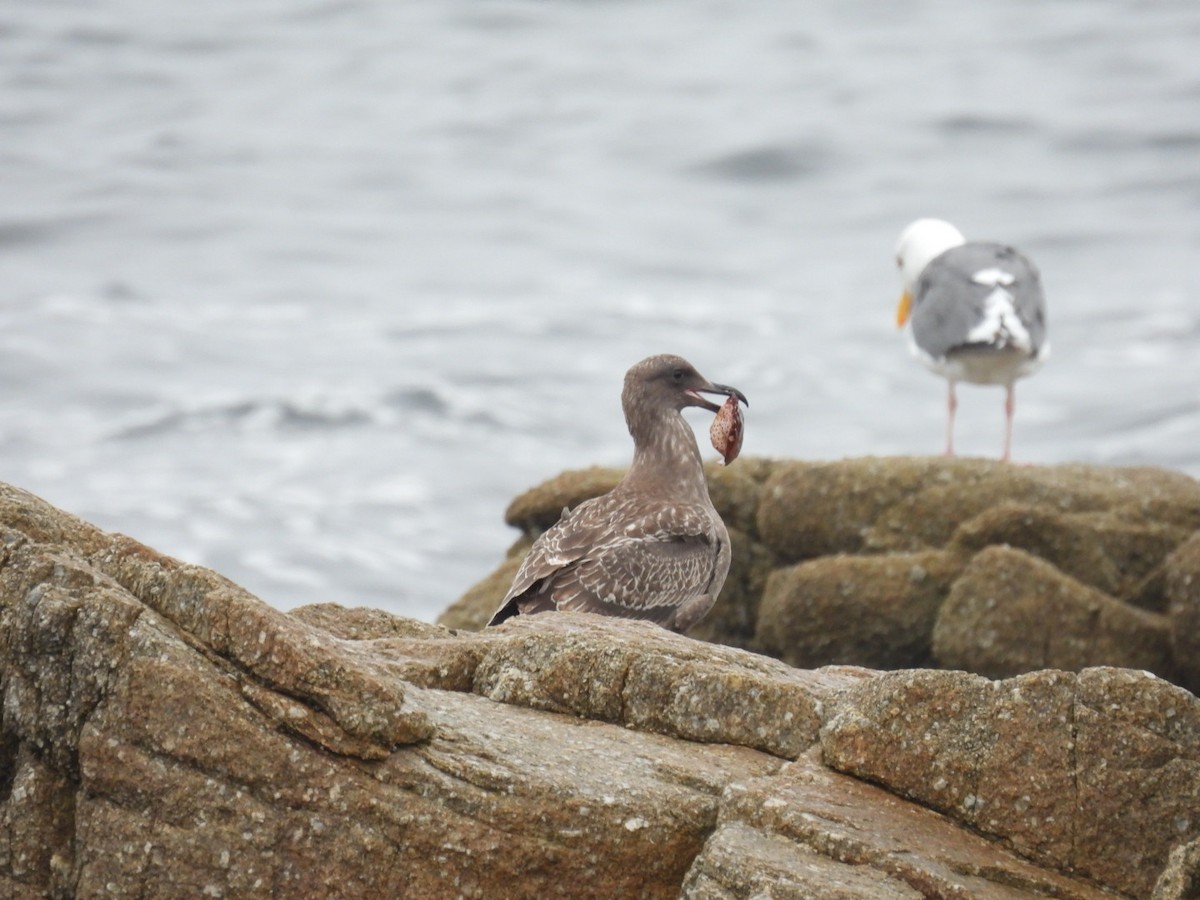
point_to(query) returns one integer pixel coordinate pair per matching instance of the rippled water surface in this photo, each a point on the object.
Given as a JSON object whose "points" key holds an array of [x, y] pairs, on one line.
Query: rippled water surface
{"points": [[308, 291]]}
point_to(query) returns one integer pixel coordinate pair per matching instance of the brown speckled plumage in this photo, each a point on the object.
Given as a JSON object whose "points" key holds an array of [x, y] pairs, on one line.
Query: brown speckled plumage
{"points": [[653, 547]]}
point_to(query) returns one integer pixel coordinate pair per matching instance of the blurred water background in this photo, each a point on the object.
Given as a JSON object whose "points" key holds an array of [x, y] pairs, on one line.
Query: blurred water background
{"points": [[307, 290]]}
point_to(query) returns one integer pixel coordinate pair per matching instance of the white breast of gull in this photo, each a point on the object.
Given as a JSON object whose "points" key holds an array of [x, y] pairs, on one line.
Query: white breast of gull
{"points": [[653, 547]]}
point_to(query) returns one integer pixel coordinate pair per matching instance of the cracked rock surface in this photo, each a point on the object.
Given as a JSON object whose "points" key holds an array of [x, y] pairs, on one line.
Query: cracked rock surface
{"points": [[165, 734]]}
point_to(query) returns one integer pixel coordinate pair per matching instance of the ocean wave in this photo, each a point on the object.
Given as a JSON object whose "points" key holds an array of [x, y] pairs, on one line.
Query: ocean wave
{"points": [[410, 407]]}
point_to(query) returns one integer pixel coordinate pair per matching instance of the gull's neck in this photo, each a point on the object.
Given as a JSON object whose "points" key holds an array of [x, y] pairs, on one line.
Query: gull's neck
{"points": [[666, 459]]}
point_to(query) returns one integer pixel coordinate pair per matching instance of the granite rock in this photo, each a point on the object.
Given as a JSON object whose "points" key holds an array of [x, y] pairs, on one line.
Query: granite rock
{"points": [[1096, 772], [881, 562], [880, 608], [165, 734], [1182, 587], [1180, 880], [1010, 612]]}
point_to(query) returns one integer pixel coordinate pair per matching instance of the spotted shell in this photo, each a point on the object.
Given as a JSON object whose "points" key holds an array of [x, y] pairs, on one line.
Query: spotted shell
{"points": [[726, 430]]}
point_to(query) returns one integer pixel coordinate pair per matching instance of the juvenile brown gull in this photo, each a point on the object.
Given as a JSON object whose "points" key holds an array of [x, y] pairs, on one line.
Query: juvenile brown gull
{"points": [[978, 314], [653, 547]]}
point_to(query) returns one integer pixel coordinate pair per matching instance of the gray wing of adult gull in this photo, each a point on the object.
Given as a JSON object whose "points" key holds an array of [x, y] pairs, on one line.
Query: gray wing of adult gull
{"points": [[951, 301]]}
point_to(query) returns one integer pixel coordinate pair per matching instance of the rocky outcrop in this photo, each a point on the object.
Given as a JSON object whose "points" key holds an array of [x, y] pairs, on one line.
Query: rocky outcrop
{"points": [[1043, 761], [1010, 612], [957, 563], [811, 832], [165, 734], [1182, 588]]}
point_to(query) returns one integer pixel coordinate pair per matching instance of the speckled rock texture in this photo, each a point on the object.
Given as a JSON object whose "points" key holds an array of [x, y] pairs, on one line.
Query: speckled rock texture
{"points": [[1182, 588], [1181, 879], [934, 562], [1100, 769], [165, 734]]}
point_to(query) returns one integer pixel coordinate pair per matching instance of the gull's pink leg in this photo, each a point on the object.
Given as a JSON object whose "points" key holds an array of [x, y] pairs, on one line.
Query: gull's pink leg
{"points": [[1010, 406], [951, 409]]}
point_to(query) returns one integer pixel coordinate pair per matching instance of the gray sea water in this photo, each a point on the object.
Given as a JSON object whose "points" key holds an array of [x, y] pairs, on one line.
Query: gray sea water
{"points": [[307, 290]]}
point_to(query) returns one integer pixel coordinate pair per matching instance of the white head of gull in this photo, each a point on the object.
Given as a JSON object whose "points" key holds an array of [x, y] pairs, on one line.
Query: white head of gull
{"points": [[977, 310], [653, 547]]}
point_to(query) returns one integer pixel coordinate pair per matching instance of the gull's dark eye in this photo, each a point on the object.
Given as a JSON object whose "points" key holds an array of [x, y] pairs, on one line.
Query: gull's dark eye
{"points": [[677, 375]]}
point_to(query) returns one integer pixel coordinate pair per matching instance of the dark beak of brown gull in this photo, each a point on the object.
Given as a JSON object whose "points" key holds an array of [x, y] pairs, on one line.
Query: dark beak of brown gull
{"points": [[710, 388]]}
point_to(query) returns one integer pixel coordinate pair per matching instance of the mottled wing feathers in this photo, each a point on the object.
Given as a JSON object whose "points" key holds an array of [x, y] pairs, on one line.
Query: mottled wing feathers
{"points": [[565, 542], [648, 572], [607, 557]]}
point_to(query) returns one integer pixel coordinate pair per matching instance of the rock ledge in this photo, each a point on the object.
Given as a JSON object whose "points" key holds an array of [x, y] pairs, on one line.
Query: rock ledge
{"points": [[166, 734]]}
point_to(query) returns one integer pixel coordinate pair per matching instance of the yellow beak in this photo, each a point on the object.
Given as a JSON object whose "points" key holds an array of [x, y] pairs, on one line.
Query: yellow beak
{"points": [[903, 310]]}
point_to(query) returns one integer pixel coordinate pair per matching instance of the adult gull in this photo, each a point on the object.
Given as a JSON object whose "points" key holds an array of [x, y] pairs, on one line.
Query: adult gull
{"points": [[977, 310], [653, 547]]}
